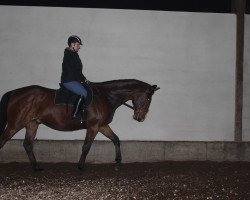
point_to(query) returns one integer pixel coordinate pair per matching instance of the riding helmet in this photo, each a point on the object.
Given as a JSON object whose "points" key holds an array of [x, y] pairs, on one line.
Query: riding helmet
{"points": [[73, 39]]}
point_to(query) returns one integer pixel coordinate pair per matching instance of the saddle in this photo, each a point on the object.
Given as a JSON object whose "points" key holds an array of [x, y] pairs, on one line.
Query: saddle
{"points": [[63, 96]]}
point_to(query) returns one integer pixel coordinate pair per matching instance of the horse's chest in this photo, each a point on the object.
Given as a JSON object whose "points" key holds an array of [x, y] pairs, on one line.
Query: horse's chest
{"points": [[106, 117]]}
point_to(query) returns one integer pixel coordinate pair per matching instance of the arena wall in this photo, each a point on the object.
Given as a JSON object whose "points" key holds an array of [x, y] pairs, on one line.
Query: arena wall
{"points": [[191, 56], [246, 82]]}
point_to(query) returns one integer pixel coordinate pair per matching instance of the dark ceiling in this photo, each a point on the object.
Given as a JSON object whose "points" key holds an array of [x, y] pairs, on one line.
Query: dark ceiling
{"points": [[217, 6]]}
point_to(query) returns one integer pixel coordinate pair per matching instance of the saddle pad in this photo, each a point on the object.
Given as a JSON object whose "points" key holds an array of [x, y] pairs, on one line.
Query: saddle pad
{"points": [[65, 96]]}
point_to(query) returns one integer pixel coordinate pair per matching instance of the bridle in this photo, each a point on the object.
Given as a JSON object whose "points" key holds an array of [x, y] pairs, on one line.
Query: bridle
{"points": [[140, 112], [131, 107], [149, 99]]}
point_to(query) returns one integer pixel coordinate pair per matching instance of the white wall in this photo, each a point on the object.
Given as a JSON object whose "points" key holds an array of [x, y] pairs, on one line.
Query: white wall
{"points": [[246, 82], [191, 56]]}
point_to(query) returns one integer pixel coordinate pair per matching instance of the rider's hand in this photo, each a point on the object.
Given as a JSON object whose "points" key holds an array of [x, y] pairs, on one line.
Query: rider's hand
{"points": [[87, 81]]}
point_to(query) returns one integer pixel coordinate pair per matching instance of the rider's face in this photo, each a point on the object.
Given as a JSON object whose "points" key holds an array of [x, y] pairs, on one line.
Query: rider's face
{"points": [[75, 46]]}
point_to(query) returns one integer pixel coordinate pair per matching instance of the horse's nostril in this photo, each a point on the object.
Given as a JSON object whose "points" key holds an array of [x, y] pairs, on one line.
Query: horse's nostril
{"points": [[141, 119]]}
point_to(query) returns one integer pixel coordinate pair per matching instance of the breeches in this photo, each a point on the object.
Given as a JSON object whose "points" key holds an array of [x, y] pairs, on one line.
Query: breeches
{"points": [[76, 87]]}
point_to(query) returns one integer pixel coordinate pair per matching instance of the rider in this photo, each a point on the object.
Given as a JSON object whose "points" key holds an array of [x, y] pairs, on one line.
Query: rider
{"points": [[72, 76]]}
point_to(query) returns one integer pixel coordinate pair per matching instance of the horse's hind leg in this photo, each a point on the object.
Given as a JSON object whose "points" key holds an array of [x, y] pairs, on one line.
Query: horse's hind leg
{"points": [[9, 132], [31, 130], [107, 131]]}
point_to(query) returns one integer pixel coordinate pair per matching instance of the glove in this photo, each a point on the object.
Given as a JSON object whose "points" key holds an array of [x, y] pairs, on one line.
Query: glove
{"points": [[87, 81]]}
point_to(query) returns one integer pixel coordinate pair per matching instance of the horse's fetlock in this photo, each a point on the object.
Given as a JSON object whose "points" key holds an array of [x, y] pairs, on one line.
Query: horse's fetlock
{"points": [[118, 166], [80, 167], [118, 159], [36, 167]]}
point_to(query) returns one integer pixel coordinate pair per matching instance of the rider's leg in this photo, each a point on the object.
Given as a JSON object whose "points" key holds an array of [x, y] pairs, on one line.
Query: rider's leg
{"points": [[79, 89], [79, 106], [76, 87]]}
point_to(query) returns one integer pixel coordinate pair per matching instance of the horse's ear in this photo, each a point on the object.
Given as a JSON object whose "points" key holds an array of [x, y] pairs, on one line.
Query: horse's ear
{"points": [[155, 88]]}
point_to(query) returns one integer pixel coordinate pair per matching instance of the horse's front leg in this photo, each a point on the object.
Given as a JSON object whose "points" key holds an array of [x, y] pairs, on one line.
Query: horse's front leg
{"points": [[107, 131], [89, 138]]}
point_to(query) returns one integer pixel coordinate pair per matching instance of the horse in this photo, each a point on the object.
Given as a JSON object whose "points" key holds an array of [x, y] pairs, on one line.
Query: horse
{"points": [[27, 107]]}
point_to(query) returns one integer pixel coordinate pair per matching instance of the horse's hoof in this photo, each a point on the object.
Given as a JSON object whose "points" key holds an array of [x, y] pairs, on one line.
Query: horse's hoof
{"points": [[37, 168], [118, 166], [81, 168]]}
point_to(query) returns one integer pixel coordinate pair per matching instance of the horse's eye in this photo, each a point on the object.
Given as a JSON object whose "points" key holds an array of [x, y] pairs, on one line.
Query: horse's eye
{"points": [[149, 97]]}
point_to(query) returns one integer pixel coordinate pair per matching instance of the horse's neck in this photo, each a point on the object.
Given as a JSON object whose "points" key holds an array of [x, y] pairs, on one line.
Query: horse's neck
{"points": [[120, 96], [119, 93]]}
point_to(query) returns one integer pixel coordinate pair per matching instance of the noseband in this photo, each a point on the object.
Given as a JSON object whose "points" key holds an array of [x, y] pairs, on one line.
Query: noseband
{"points": [[131, 107]]}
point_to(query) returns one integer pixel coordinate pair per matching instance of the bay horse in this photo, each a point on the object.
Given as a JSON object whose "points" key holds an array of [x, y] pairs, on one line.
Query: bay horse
{"points": [[30, 106]]}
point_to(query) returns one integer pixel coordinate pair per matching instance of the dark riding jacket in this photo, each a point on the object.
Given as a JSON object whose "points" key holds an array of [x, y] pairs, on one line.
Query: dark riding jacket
{"points": [[71, 67]]}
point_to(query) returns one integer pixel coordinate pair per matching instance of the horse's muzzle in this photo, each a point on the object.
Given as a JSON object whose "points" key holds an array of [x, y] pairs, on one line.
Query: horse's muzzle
{"points": [[139, 118]]}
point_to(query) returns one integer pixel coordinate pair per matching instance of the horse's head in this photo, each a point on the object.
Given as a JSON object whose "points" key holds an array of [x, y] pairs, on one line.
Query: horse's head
{"points": [[141, 102]]}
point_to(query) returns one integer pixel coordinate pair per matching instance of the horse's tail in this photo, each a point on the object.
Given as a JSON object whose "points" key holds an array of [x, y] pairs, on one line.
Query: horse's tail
{"points": [[3, 111]]}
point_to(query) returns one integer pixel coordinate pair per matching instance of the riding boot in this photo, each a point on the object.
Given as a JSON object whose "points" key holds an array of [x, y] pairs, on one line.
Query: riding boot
{"points": [[82, 109], [82, 112], [77, 107]]}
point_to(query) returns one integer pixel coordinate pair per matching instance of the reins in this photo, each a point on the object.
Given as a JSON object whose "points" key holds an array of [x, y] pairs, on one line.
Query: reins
{"points": [[131, 107]]}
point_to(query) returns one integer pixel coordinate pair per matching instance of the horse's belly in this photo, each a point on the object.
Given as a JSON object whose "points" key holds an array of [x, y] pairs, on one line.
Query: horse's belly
{"points": [[67, 125]]}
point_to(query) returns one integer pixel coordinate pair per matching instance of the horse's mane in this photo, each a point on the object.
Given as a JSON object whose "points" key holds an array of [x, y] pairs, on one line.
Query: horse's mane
{"points": [[121, 83]]}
